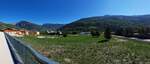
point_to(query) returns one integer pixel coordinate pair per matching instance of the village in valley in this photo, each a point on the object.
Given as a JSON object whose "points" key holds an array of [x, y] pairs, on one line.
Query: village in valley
{"points": [[77, 42], [74, 32], [72, 44], [20, 33]]}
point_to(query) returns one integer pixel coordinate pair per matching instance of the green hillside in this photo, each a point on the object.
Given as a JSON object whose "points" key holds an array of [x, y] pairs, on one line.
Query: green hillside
{"points": [[114, 22]]}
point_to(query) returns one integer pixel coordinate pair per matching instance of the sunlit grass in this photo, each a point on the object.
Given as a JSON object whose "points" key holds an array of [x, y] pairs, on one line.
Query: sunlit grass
{"points": [[87, 50]]}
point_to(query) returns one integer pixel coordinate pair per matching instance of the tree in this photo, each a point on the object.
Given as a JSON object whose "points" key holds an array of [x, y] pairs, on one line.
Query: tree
{"points": [[64, 34], [147, 30], [95, 33], [129, 32], [119, 31], [107, 33], [44, 33], [74, 33], [142, 30]]}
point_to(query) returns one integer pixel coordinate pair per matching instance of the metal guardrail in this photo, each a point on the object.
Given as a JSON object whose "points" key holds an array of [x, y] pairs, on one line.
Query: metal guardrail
{"points": [[25, 54]]}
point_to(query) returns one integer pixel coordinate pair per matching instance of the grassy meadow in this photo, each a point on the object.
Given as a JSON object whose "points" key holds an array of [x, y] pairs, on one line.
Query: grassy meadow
{"points": [[87, 50]]}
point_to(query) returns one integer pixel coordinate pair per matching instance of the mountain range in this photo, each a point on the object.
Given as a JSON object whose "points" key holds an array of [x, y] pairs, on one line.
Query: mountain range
{"points": [[86, 24], [5, 25], [113, 21], [31, 26]]}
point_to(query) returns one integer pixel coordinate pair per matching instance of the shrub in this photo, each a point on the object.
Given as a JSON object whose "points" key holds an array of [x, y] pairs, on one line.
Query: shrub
{"points": [[64, 35], [95, 33]]}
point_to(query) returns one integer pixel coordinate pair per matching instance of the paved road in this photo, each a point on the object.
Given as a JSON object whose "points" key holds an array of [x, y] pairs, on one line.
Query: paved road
{"points": [[5, 55]]}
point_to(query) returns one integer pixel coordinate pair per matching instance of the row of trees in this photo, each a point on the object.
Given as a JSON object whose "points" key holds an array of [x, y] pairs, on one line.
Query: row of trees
{"points": [[140, 32], [93, 32]]}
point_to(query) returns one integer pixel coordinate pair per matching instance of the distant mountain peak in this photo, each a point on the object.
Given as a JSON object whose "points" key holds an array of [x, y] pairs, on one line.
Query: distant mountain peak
{"points": [[52, 26], [31, 26], [24, 22], [1, 22]]}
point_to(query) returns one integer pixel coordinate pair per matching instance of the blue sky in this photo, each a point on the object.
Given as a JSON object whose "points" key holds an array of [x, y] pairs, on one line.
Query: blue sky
{"points": [[66, 11]]}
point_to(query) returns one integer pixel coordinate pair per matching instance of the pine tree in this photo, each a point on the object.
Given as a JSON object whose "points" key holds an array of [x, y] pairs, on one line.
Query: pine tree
{"points": [[107, 33]]}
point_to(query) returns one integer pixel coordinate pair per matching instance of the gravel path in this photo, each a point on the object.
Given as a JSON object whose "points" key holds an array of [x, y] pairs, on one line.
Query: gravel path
{"points": [[5, 55]]}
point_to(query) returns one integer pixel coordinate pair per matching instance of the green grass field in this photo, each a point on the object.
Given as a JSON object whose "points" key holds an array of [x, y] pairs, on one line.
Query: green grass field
{"points": [[87, 50]]}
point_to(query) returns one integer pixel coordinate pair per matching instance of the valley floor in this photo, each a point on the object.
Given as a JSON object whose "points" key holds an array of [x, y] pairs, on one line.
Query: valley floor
{"points": [[87, 50]]}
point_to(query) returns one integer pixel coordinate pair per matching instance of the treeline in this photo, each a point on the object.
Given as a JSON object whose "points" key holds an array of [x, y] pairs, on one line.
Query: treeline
{"points": [[93, 32], [141, 32]]}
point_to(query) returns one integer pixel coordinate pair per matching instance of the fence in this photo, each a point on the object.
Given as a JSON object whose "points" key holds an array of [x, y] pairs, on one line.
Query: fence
{"points": [[25, 54]]}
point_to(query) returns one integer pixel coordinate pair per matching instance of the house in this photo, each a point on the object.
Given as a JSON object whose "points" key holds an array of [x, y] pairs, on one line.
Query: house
{"points": [[35, 33], [85, 33], [12, 32], [51, 31], [20, 33], [15, 32], [24, 32], [54, 32]]}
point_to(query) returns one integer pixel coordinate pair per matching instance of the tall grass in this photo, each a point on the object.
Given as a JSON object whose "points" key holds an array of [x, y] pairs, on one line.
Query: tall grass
{"points": [[87, 50]]}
